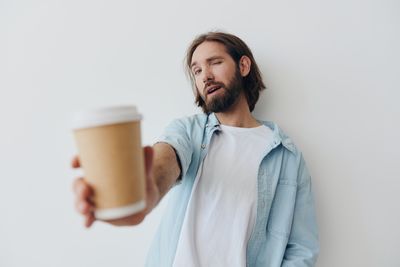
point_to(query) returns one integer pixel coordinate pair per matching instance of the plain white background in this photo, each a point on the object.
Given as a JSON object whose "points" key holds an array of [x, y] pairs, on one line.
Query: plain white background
{"points": [[333, 77]]}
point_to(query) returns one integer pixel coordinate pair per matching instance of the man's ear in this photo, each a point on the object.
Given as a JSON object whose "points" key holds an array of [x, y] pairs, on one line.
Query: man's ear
{"points": [[244, 65]]}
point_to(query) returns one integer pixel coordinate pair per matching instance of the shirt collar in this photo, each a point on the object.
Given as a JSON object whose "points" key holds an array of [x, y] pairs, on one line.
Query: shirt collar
{"points": [[213, 120], [277, 134]]}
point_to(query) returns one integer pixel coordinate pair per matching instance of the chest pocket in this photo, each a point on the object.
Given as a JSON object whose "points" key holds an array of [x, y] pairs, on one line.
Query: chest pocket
{"points": [[282, 209]]}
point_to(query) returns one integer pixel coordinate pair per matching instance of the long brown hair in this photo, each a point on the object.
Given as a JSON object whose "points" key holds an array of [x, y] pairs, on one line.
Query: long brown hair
{"points": [[236, 48]]}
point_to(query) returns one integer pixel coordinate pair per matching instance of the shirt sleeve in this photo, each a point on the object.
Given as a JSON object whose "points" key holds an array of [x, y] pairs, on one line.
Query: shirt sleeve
{"points": [[177, 135], [303, 245]]}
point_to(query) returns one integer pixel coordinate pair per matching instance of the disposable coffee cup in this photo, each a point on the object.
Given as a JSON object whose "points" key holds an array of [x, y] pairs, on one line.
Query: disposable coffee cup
{"points": [[111, 155]]}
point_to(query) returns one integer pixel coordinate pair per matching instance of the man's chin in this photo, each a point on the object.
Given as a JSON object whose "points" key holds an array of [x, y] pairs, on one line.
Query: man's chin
{"points": [[218, 107]]}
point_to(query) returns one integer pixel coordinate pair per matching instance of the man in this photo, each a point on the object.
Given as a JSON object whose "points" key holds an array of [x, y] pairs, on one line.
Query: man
{"points": [[242, 194]]}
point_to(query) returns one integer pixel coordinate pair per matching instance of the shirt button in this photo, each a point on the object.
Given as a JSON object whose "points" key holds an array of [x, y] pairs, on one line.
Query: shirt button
{"points": [[207, 125], [203, 146]]}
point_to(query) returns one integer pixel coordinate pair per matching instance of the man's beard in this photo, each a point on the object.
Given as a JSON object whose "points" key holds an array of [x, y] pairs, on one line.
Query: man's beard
{"points": [[228, 97]]}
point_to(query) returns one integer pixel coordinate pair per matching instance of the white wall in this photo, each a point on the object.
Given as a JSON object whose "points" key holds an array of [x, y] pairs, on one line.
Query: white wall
{"points": [[333, 73]]}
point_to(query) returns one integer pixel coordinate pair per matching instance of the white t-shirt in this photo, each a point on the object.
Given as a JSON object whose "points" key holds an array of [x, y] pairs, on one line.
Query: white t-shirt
{"points": [[222, 208]]}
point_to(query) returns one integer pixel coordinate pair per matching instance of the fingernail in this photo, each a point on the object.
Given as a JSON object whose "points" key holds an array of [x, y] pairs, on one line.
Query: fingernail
{"points": [[81, 207]]}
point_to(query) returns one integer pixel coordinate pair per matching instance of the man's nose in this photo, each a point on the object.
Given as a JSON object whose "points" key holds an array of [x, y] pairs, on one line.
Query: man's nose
{"points": [[207, 75]]}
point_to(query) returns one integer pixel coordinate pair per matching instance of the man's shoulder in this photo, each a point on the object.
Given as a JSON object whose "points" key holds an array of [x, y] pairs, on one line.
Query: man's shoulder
{"points": [[187, 125], [200, 117], [191, 121]]}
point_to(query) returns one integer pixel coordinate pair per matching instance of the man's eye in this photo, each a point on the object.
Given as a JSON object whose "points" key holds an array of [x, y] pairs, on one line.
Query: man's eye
{"points": [[196, 72], [217, 62]]}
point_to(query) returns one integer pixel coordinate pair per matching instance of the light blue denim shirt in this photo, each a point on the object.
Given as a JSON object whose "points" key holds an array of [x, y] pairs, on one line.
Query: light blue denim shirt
{"points": [[285, 232]]}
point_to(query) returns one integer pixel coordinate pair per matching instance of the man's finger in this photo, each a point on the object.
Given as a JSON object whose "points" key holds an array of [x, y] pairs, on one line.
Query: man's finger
{"points": [[83, 207], [82, 189], [75, 163], [89, 219]]}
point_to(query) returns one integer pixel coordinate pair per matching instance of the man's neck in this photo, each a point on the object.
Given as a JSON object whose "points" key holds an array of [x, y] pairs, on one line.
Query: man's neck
{"points": [[238, 115]]}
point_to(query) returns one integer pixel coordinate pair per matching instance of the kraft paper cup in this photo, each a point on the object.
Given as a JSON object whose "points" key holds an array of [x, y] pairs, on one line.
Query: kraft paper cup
{"points": [[111, 155]]}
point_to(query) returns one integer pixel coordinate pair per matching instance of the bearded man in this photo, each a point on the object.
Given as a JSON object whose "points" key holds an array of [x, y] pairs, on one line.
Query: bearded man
{"points": [[242, 193]]}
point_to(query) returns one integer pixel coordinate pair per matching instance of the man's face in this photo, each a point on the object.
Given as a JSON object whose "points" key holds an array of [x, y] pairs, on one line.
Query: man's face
{"points": [[217, 78]]}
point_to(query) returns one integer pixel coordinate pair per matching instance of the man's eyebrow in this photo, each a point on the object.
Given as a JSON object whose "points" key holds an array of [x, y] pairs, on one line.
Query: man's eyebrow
{"points": [[214, 58], [193, 64], [208, 60]]}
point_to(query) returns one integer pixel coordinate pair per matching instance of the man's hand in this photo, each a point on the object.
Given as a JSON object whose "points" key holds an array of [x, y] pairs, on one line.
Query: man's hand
{"points": [[84, 194]]}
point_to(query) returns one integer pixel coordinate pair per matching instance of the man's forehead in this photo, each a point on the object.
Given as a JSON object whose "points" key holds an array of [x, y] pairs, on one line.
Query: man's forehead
{"points": [[207, 51]]}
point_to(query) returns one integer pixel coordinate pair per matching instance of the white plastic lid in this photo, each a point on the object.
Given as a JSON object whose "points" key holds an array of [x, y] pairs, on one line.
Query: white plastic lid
{"points": [[105, 116]]}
